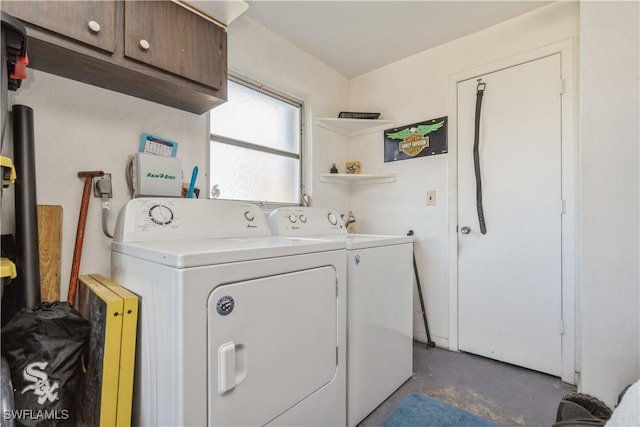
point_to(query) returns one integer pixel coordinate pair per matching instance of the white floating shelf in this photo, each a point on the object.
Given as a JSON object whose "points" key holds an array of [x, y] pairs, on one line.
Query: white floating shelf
{"points": [[354, 127], [354, 179]]}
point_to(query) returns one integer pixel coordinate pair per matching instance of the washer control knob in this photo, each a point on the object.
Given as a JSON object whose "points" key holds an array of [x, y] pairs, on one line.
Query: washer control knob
{"points": [[292, 218], [332, 218], [303, 219], [249, 216], [161, 214]]}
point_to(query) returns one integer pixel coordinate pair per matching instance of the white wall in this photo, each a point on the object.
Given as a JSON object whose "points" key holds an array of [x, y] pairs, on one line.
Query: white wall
{"points": [[416, 89], [610, 91], [258, 53], [80, 127]]}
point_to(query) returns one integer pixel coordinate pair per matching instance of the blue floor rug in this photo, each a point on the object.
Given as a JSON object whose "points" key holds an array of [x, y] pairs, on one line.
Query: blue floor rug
{"points": [[420, 410]]}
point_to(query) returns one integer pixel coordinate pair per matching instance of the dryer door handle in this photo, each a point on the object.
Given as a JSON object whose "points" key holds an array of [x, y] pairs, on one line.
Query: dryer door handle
{"points": [[226, 367]]}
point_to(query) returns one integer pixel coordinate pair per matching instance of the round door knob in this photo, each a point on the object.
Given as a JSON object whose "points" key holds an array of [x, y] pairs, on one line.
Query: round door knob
{"points": [[465, 230], [144, 44], [94, 26]]}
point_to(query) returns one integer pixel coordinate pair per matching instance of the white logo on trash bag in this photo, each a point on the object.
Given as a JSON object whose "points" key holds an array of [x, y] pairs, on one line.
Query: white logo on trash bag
{"points": [[34, 372]]}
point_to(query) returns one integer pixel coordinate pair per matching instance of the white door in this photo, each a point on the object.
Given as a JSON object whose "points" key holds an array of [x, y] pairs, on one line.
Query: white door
{"points": [[509, 282], [272, 343]]}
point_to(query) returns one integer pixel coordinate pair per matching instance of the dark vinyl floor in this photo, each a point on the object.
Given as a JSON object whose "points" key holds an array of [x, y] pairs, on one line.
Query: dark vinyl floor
{"points": [[503, 393]]}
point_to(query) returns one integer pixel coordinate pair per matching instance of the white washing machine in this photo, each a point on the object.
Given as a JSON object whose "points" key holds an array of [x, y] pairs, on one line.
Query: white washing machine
{"points": [[237, 328], [379, 304]]}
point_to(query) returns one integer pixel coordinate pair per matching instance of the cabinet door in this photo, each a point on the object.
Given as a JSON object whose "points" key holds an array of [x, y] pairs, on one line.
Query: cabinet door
{"points": [[168, 36], [90, 22]]}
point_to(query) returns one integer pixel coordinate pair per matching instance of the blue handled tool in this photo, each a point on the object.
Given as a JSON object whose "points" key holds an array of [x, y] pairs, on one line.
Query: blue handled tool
{"points": [[192, 184]]}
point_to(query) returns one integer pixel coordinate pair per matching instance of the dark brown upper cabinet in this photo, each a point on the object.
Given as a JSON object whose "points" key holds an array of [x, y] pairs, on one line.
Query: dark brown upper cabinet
{"points": [[192, 52], [93, 22], [154, 50]]}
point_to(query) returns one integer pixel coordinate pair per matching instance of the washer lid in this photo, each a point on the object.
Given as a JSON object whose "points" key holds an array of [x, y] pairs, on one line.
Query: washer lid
{"points": [[361, 241], [200, 252]]}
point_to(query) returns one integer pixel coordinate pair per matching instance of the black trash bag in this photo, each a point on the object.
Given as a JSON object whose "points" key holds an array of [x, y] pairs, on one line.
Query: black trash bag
{"points": [[43, 346]]}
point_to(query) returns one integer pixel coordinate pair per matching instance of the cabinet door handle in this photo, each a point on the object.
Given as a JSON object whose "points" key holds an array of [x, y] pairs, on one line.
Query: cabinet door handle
{"points": [[94, 27], [144, 44]]}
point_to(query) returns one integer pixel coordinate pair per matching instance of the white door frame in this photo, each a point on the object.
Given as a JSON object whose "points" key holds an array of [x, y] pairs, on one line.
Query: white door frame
{"points": [[570, 223]]}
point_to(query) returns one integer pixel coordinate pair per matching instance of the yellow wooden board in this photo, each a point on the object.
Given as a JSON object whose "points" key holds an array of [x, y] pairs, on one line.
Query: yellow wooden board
{"points": [[127, 348], [99, 390]]}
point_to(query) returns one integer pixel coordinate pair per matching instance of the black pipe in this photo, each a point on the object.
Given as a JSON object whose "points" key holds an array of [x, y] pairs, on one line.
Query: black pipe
{"points": [[5, 85], [27, 248], [14, 46]]}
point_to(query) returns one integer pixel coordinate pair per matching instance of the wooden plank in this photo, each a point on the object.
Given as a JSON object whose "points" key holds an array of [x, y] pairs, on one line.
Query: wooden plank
{"points": [[50, 243], [104, 310], [127, 348]]}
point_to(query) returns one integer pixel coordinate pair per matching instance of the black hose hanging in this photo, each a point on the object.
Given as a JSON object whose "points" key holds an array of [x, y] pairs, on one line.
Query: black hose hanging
{"points": [[27, 247], [476, 156]]}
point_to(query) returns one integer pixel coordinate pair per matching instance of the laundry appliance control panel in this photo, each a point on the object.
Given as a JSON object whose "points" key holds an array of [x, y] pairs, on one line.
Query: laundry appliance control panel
{"points": [[305, 221], [149, 219]]}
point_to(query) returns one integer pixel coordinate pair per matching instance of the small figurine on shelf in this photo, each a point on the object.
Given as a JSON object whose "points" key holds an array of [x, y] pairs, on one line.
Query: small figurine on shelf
{"points": [[353, 167], [333, 169]]}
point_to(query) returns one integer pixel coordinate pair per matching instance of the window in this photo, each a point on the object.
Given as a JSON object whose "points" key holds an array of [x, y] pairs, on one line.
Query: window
{"points": [[255, 147]]}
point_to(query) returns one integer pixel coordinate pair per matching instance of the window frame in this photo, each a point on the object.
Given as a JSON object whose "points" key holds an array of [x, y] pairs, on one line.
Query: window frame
{"points": [[283, 97]]}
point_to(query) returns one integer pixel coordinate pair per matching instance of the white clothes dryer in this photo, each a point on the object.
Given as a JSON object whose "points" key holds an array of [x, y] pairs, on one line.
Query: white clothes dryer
{"points": [[379, 304], [236, 327]]}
